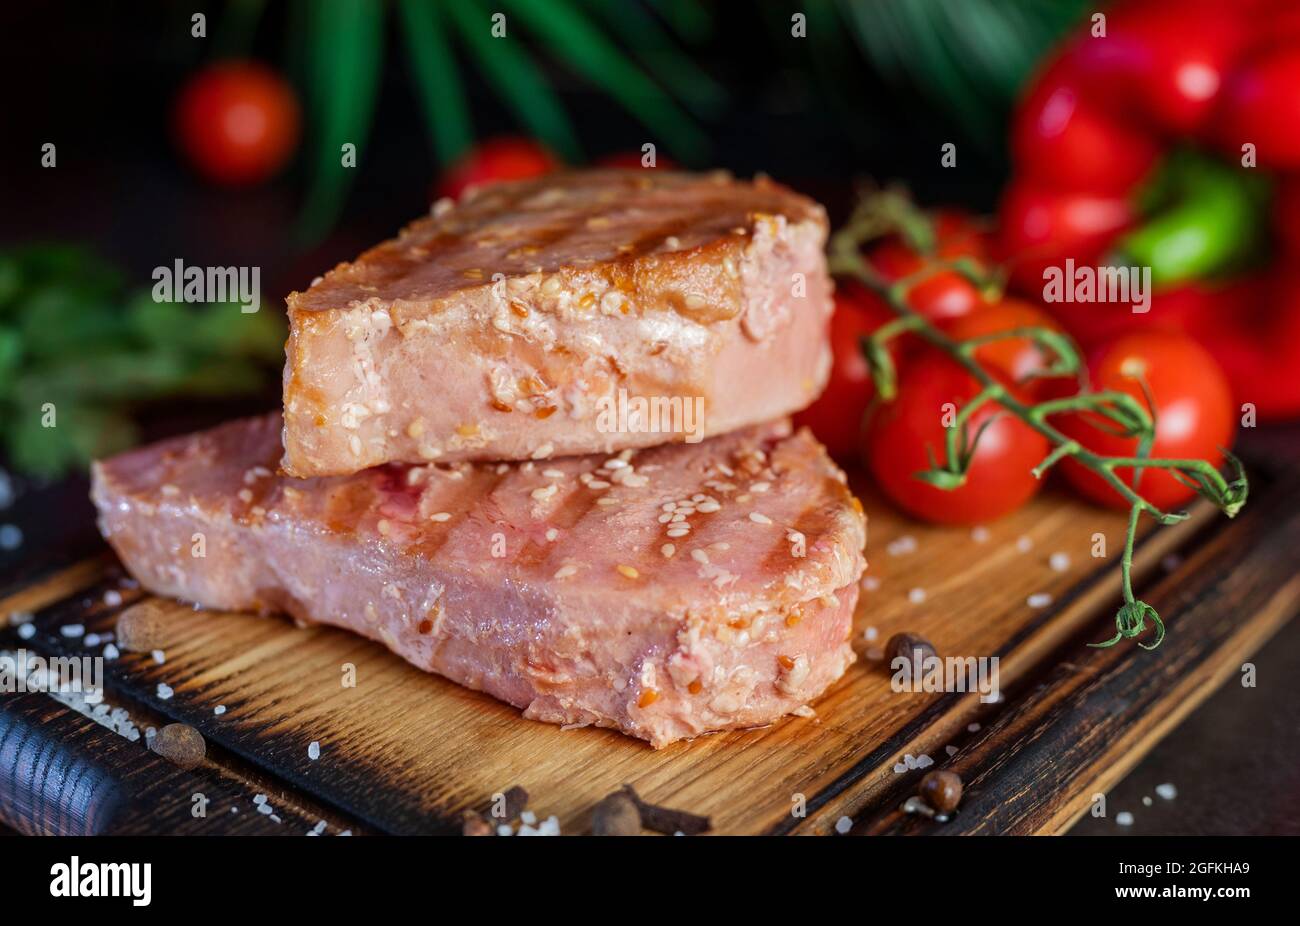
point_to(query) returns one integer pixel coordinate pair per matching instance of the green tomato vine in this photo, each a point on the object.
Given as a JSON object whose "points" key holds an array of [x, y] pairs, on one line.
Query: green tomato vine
{"points": [[890, 212]]}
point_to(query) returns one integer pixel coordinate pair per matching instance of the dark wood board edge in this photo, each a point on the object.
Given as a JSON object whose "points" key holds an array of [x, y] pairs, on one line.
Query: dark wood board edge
{"points": [[62, 773], [1089, 719]]}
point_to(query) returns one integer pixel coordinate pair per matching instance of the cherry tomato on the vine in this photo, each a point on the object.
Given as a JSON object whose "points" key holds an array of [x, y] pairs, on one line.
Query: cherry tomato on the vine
{"points": [[946, 294], [496, 159], [999, 479], [1193, 411], [1011, 360], [836, 416], [238, 122]]}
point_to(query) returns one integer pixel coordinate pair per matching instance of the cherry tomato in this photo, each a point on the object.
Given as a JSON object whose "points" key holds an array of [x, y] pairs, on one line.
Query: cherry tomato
{"points": [[1061, 140], [238, 122], [1193, 410], [947, 294], [632, 159], [836, 416], [1260, 105], [897, 434], [1041, 227], [1012, 360], [493, 160]]}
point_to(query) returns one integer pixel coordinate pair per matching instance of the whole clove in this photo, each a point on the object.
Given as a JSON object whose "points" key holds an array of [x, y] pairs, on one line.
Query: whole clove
{"points": [[665, 819], [616, 815]]}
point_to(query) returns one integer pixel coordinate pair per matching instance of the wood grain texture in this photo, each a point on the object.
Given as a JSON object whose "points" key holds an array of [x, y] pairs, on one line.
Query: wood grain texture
{"points": [[405, 752], [1077, 730]]}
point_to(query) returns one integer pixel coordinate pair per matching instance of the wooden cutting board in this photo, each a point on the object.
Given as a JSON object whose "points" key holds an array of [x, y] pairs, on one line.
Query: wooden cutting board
{"points": [[406, 752]]}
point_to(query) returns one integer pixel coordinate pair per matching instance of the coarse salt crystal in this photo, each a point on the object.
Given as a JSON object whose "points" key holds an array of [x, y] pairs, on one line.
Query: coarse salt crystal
{"points": [[72, 630], [219, 709], [112, 598], [1024, 543], [1166, 791], [313, 750], [979, 534], [164, 692], [843, 825], [1059, 562], [916, 595], [1039, 600], [1124, 818]]}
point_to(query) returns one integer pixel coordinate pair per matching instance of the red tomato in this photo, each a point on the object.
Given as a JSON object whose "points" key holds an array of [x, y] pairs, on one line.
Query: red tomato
{"points": [[238, 122], [1163, 62], [1061, 140], [1193, 409], [1041, 227], [630, 159], [836, 416], [947, 294], [493, 160], [897, 434], [1012, 360], [1261, 105]]}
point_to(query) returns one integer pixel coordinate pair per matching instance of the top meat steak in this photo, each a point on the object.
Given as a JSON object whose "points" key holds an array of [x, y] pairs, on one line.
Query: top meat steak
{"points": [[665, 593], [500, 328]]}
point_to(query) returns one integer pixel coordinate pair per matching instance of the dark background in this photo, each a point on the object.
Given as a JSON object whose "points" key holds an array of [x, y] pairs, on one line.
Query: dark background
{"points": [[98, 79]]}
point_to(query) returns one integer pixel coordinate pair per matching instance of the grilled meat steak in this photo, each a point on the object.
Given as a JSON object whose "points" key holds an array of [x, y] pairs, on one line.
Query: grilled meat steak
{"points": [[664, 592], [528, 320]]}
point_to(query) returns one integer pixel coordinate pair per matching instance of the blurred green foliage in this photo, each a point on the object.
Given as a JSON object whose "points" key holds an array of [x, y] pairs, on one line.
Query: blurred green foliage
{"points": [[78, 348]]}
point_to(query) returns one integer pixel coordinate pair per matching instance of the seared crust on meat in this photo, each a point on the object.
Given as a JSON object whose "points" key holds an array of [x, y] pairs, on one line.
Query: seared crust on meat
{"points": [[665, 593], [499, 328]]}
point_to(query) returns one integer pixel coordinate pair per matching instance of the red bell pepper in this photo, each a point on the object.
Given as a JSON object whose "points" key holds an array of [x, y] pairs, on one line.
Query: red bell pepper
{"points": [[1128, 151]]}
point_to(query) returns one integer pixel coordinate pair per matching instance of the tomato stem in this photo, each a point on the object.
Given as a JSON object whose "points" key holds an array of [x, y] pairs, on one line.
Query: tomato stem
{"points": [[889, 212]]}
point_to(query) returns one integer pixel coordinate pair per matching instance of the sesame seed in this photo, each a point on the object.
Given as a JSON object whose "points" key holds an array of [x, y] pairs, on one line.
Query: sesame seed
{"points": [[545, 492], [760, 487], [707, 507], [665, 518], [597, 484], [668, 550], [615, 463], [628, 571], [699, 556], [544, 451], [553, 473], [441, 516], [245, 496], [606, 501], [679, 531], [565, 571], [759, 518], [551, 534]]}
